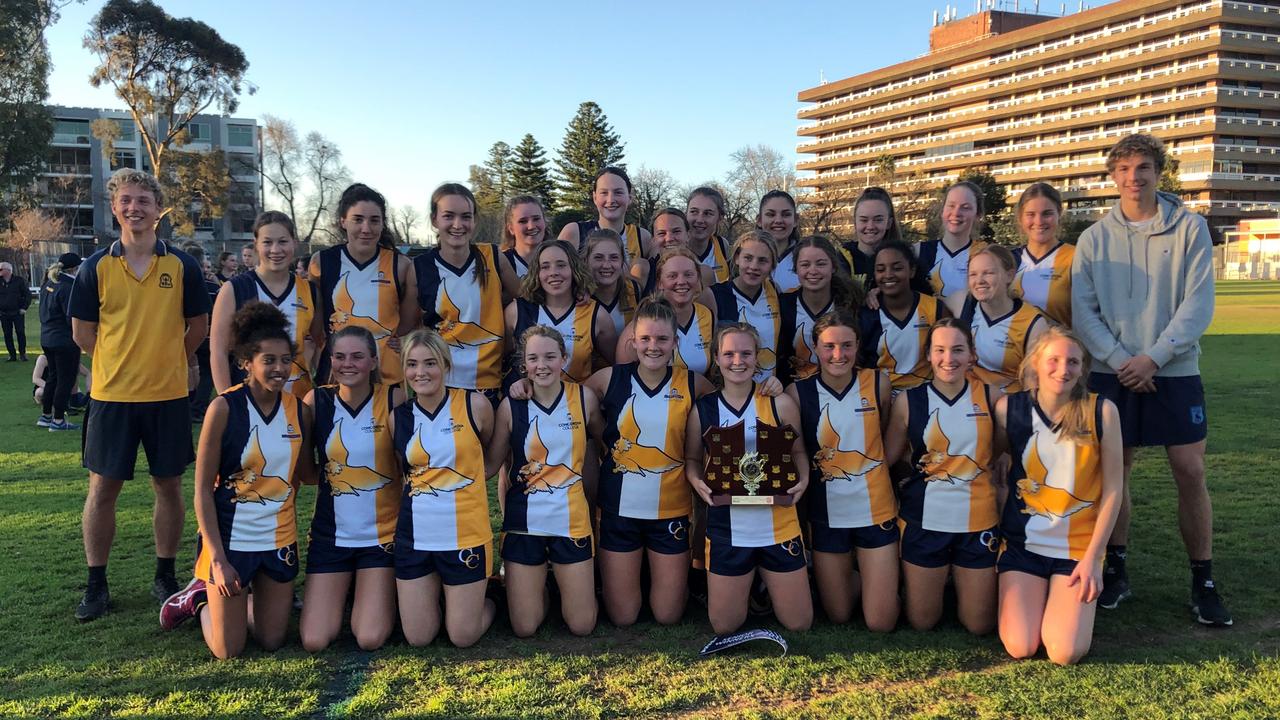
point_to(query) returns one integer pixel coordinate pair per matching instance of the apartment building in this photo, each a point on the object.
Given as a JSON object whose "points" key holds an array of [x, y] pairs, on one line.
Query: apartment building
{"points": [[75, 182], [1030, 97]]}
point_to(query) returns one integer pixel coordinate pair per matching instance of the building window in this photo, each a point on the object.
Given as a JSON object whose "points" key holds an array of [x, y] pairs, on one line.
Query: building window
{"points": [[243, 165], [126, 130], [199, 131], [240, 135], [124, 159], [69, 161], [71, 131]]}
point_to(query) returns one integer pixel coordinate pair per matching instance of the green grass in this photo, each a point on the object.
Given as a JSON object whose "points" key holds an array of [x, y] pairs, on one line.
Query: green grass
{"points": [[1149, 659]]}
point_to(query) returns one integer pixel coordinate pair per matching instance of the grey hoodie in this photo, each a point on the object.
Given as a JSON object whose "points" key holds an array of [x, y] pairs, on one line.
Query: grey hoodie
{"points": [[1144, 291]]}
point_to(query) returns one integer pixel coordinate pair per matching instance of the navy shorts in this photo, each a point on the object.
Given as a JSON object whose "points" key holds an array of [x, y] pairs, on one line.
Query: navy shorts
{"points": [[1015, 557], [1172, 415], [935, 549], [525, 549], [824, 538], [112, 431], [456, 567], [324, 556], [280, 564], [728, 560], [624, 534]]}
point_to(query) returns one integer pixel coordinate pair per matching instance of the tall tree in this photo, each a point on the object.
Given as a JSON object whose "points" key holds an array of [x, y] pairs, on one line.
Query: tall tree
{"points": [[1169, 181], [26, 125], [306, 174], [499, 166], [488, 220], [994, 196], [166, 70], [757, 169], [403, 220], [652, 190], [529, 171], [589, 144], [282, 162], [327, 176]]}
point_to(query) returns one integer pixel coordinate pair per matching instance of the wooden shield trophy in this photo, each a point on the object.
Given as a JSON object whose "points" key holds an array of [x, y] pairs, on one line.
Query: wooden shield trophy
{"points": [[762, 477]]}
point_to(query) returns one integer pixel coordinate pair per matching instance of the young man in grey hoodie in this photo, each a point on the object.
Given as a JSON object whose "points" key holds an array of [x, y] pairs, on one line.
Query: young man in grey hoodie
{"points": [[1142, 295]]}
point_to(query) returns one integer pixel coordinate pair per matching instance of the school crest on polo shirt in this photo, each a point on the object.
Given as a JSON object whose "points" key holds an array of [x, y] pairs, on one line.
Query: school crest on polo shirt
{"points": [[166, 280]]}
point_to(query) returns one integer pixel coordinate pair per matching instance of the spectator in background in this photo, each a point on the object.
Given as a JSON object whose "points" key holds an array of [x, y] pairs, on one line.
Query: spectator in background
{"points": [[248, 258], [199, 398], [60, 351], [227, 267], [15, 297]]}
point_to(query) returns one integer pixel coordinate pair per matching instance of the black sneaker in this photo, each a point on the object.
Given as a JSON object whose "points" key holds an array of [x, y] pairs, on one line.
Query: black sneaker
{"points": [[164, 586], [1115, 587], [1208, 607], [94, 604]]}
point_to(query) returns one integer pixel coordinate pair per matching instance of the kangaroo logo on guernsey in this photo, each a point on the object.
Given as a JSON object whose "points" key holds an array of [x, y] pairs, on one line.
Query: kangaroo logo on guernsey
{"points": [[1039, 497], [629, 456], [537, 475], [937, 462], [251, 483], [835, 462], [426, 478], [345, 479]]}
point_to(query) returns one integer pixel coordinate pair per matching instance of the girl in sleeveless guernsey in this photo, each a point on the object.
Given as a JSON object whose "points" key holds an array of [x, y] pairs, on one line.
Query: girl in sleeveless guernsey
{"points": [[1003, 326], [254, 453], [1044, 262], [670, 229], [353, 531], [462, 287], [644, 503], [705, 209], [948, 502], [274, 282], [552, 295], [744, 539], [943, 264], [777, 216], [824, 286], [365, 281], [444, 542], [611, 194], [525, 225], [852, 509], [606, 261], [893, 333], [680, 283], [874, 223], [1064, 496], [751, 296], [547, 517]]}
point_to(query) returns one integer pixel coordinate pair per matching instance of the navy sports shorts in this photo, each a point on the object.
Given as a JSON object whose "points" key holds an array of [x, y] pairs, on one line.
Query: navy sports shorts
{"points": [[935, 549], [624, 534], [525, 549], [1015, 557], [1172, 415], [112, 431], [456, 567], [325, 557], [824, 538], [729, 560], [280, 564]]}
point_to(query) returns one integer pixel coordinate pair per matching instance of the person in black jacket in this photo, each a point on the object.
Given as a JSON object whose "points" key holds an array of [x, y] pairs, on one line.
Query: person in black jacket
{"points": [[15, 297], [60, 350]]}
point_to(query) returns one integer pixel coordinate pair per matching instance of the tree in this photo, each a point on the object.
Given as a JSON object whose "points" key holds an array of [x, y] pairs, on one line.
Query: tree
{"points": [[1169, 181], [529, 172], [652, 190], [327, 176], [994, 196], [488, 221], [757, 169], [403, 220], [31, 226], [306, 174], [589, 144], [26, 125], [491, 182], [282, 162], [166, 70]]}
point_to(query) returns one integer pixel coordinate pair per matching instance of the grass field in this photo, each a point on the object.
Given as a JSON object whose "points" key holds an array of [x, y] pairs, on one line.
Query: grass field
{"points": [[1149, 661]]}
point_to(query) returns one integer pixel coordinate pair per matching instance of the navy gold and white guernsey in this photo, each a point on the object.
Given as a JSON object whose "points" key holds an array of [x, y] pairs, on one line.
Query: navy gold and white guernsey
{"points": [[358, 500], [298, 302], [467, 315], [950, 488], [1000, 343], [1046, 282], [445, 505], [255, 495], [630, 239], [366, 295], [942, 270], [897, 346], [851, 485], [763, 312], [799, 319], [517, 263], [716, 257], [577, 325], [784, 273], [695, 342], [623, 308], [548, 452], [745, 526], [642, 476], [1055, 483]]}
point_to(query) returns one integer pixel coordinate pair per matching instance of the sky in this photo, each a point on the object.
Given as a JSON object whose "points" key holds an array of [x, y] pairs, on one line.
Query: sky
{"points": [[416, 92]]}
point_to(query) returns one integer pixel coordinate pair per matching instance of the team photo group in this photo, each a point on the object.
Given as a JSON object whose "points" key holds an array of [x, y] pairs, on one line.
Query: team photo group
{"points": [[765, 427]]}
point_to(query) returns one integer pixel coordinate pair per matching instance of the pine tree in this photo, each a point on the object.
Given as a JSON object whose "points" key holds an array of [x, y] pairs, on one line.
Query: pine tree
{"points": [[529, 173], [498, 168], [589, 145]]}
